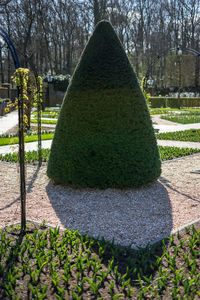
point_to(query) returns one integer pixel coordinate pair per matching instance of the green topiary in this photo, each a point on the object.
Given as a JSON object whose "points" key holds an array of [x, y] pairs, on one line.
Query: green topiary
{"points": [[104, 135]]}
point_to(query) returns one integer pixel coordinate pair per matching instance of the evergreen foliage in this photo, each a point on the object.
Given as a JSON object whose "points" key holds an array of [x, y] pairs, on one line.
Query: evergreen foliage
{"points": [[104, 135]]}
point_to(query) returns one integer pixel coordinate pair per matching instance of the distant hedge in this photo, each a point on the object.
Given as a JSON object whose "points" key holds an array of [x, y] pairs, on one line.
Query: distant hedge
{"points": [[157, 102], [60, 82]]}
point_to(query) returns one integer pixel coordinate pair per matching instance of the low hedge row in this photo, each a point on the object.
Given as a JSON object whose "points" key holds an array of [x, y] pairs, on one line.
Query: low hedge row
{"points": [[157, 102], [4, 100]]}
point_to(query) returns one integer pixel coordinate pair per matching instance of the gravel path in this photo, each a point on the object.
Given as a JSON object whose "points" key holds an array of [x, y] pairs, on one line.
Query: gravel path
{"points": [[168, 126], [130, 216]]}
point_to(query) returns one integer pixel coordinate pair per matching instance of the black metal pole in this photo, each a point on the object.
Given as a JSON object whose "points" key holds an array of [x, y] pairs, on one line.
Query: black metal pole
{"points": [[22, 158], [39, 123]]}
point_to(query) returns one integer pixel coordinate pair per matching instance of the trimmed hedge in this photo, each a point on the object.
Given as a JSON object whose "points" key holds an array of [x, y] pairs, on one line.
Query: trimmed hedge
{"points": [[104, 135], [157, 102]]}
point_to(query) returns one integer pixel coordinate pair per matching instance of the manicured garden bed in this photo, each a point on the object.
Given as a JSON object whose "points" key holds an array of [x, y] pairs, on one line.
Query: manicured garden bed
{"points": [[192, 135], [166, 153], [30, 156], [49, 263], [184, 118]]}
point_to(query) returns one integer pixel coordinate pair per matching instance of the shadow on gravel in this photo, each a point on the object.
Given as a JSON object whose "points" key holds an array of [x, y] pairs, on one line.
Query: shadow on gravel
{"points": [[33, 179], [30, 185], [131, 216], [167, 183]]}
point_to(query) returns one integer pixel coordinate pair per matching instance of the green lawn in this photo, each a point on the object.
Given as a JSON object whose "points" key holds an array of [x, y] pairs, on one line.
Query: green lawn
{"points": [[192, 135], [28, 138], [48, 263]]}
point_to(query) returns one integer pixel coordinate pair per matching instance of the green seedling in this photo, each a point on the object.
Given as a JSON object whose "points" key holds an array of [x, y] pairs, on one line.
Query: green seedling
{"points": [[187, 230], [79, 289], [34, 276], [94, 287], [175, 292], [61, 292], [125, 284], [74, 296], [118, 296], [9, 290], [130, 291]]}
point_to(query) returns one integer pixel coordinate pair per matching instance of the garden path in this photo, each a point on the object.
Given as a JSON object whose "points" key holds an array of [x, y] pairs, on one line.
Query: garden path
{"points": [[168, 126], [8, 121], [133, 216]]}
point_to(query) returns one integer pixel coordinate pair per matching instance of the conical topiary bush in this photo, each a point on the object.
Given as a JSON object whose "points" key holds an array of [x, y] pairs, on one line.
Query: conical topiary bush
{"points": [[104, 135]]}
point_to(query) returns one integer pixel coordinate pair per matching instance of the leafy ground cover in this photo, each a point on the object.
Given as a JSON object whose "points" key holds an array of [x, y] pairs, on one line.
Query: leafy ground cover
{"points": [[48, 263], [44, 121], [184, 118], [30, 156], [166, 153], [192, 135], [14, 139]]}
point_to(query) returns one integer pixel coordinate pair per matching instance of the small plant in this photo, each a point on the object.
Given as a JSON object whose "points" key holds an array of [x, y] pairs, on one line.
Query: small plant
{"points": [[36, 258], [43, 224]]}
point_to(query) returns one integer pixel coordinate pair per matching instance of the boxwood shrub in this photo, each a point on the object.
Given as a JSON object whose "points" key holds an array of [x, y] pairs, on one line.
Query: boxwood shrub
{"points": [[104, 135], [157, 102]]}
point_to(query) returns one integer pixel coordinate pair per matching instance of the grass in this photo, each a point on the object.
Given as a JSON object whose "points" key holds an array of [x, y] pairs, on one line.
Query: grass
{"points": [[47, 263], [5, 140], [166, 153], [184, 118], [44, 121], [192, 135]]}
